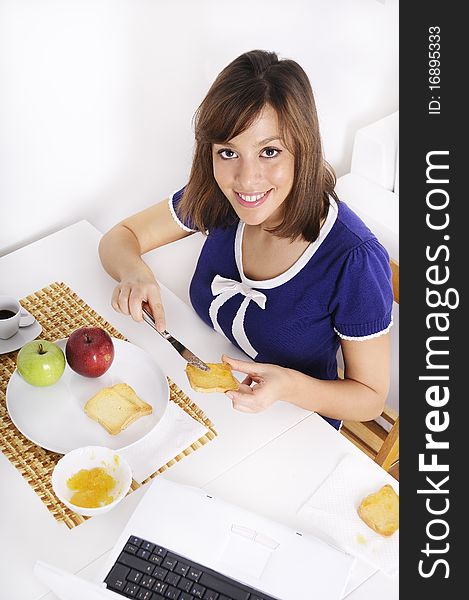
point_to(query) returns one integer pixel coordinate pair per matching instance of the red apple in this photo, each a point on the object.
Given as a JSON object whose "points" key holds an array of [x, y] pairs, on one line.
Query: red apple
{"points": [[89, 351]]}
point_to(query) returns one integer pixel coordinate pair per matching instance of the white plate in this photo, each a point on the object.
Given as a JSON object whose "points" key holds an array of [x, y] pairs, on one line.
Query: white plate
{"points": [[17, 341], [53, 416]]}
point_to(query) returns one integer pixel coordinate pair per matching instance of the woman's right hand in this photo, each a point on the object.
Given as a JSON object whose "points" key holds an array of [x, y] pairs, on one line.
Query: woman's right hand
{"points": [[121, 250], [129, 295]]}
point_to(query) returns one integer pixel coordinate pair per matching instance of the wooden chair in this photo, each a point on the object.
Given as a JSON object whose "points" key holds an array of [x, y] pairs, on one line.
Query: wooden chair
{"points": [[376, 441]]}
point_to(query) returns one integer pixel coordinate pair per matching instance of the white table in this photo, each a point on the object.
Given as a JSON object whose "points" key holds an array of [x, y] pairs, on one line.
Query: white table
{"points": [[237, 465]]}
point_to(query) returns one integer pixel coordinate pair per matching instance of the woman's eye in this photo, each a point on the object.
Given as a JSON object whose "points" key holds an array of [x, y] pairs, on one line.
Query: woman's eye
{"points": [[227, 154], [270, 152]]}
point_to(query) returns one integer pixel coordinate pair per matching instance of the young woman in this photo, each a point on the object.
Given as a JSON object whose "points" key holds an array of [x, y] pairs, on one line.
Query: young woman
{"points": [[287, 272]]}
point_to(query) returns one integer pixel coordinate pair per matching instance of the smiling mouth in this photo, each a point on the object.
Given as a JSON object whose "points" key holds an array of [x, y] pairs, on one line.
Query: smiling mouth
{"points": [[252, 200]]}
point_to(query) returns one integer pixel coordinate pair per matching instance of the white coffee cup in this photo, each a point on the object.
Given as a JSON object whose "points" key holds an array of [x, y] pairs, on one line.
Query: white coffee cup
{"points": [[12, 317]]}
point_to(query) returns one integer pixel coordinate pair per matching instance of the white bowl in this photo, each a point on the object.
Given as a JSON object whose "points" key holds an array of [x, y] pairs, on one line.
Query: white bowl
{"points": [[90, 457]]}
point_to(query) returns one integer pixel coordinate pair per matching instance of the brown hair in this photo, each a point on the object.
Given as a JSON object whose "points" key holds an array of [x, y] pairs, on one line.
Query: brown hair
{"points": [[235, 99]]}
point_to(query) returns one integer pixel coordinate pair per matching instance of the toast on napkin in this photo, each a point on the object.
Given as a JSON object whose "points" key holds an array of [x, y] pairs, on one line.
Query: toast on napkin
{"points": [[218, 379], [116, 407], [380, 511]]}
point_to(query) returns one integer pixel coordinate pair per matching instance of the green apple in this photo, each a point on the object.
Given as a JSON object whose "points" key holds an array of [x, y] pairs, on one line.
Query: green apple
{"points": [[40, 362]]}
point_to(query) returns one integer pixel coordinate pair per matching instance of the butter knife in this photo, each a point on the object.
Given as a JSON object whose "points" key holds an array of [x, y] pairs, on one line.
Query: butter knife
{"points": [[186, 354]]}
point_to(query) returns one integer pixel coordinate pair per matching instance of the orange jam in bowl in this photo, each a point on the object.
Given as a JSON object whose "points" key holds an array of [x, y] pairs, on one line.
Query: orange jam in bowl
{"points": [[92, 488]]}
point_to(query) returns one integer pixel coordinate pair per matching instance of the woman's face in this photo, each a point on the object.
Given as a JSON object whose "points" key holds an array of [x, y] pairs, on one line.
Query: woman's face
{"points": [[255, 171]]}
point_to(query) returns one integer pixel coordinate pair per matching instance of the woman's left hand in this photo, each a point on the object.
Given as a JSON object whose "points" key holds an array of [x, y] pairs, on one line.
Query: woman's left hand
{"points": [[263, 385]]}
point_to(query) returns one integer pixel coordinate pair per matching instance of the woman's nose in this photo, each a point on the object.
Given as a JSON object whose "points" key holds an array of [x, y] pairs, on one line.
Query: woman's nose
{"points": [[249, 174]]}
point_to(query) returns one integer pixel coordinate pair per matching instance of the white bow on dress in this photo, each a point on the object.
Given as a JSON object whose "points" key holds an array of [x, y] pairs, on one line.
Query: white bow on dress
{"points": [[224, 289]]}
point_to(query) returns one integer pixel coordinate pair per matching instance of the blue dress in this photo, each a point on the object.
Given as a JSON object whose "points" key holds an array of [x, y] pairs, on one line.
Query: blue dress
{"points": [[340, 287]]}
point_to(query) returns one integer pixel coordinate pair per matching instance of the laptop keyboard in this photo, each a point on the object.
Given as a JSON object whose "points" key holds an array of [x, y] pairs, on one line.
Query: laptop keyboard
{"points": [[146, 571]]}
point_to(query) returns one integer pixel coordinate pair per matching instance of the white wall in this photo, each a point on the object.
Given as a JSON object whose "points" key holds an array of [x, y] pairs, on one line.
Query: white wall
{"points": [[97, 96]]}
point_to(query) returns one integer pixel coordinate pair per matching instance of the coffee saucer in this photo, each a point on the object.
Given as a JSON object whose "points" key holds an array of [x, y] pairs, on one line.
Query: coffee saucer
{"points": [[17, 341]]}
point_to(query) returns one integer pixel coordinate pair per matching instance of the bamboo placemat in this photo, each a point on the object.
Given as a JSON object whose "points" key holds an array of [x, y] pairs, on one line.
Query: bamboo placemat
{"points": [[60, 311]]}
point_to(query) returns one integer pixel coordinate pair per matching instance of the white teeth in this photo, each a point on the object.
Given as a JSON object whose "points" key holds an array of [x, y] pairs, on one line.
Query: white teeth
{"points": [[252, 198]]}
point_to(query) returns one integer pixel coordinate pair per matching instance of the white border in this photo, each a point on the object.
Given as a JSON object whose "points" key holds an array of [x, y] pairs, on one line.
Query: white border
{"points": [[297, 266], [365, 337], [175, 217]]}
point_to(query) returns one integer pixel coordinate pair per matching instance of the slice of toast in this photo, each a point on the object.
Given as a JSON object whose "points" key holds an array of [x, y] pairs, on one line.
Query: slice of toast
{"points": [[125, 390], [218, 379], [380, 510], [116, 407]]}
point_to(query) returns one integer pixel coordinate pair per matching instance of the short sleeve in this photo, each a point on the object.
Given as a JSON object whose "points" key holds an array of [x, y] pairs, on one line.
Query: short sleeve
{"points": [[362, 307], [173, 204]]}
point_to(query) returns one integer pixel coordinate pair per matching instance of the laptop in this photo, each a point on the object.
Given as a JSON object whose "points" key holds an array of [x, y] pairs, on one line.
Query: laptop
{"points": [[182, 543]]}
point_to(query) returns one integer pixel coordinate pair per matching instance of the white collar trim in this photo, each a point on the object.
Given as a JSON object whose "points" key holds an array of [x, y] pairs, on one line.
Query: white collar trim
{"points": [[298, 265]]}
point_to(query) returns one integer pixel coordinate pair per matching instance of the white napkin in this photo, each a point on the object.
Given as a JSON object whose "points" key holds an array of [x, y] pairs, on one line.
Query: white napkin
{"points": [[332, 510], [176, 432]]}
